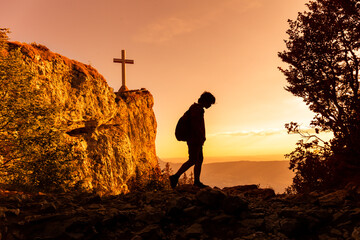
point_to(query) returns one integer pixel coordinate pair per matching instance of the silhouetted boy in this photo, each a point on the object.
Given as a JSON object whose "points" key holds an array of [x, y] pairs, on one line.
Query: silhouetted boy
{"points": [[195, 140]]}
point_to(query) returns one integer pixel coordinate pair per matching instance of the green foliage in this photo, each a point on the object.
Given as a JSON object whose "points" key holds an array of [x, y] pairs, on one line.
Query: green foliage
{"points": [[323, 57], [311, 162], [167, 171], [34, 153], [184, 179], [150, 181], [156, 179], [3, 38]]}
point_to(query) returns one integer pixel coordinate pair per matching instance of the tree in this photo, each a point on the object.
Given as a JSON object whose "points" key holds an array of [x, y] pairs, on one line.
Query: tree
{"points": [[184, 179], [323, 57], [34, 153], [191, 178], [167, 171]]}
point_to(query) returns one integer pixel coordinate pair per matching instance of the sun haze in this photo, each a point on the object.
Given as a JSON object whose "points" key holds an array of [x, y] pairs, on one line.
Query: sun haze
{"points": [[180, 49]]}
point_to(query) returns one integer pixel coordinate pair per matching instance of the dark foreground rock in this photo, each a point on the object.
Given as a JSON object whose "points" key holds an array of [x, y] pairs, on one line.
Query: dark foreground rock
{"points": [[242, 212]]}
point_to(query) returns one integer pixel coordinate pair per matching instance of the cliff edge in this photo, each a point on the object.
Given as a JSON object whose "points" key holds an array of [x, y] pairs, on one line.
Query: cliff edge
{"points": [[116, 132]]}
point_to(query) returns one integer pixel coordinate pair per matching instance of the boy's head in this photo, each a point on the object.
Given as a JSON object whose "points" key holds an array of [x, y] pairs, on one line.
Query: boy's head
{"points": [[206, 99]]}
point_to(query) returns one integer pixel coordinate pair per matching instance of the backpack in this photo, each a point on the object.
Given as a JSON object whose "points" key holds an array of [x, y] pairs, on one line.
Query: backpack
{"points": [[182, 130]]}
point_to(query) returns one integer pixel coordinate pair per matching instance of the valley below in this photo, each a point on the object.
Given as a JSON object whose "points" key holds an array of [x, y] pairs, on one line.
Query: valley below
{"points": [[266, 174]]}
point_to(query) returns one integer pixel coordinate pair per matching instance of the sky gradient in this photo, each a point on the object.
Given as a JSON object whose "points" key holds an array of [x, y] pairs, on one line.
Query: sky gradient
{"points": [[180, 49]]}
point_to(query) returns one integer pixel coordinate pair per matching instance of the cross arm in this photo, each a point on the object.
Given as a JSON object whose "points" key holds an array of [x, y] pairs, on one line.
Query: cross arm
{"points": [[119, 60]]}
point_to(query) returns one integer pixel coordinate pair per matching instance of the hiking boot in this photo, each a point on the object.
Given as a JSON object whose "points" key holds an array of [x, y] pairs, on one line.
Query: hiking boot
{"points": [[200, 185], [173, 181]]}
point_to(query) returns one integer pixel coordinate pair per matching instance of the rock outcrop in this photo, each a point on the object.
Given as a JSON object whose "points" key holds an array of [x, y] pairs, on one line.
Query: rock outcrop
{"points": [[241, 212], [115, 132]]}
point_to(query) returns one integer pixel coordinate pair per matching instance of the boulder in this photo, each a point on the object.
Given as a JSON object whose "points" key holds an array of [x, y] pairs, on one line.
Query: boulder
{"points": [[334, 198], [356, 233], [211, 198], [194, 231], [234, 205]]}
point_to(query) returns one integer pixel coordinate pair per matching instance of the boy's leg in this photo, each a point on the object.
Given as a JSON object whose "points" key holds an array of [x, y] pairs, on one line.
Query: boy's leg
{"points": [[195, 151], [198, 164], [186, 165]]}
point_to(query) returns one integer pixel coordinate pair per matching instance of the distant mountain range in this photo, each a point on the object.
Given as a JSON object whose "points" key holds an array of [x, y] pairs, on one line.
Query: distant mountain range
{"points": [[273, 174]]}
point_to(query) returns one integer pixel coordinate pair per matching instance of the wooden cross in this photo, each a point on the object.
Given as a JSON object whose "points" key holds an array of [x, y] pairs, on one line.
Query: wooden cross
{"points": [[123, 61]]}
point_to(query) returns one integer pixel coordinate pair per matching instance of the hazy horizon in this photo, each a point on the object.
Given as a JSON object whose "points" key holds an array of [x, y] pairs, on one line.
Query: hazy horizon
{"points": [[223, 159], [267, 174]]}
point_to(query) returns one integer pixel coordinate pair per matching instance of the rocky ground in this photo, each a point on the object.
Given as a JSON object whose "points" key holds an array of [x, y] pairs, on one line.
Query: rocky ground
{"points": [[242, 212]]}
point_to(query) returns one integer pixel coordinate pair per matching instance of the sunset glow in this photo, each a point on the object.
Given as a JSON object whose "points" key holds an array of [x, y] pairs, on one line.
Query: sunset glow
{"points": [[180, 49]]}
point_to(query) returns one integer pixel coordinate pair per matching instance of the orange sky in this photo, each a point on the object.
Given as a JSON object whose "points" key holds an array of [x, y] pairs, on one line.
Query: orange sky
{"points": [[181, 48]]}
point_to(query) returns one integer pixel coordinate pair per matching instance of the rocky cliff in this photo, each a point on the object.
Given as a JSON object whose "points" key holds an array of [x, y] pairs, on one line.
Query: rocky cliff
{"points": [[115, 132]]}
